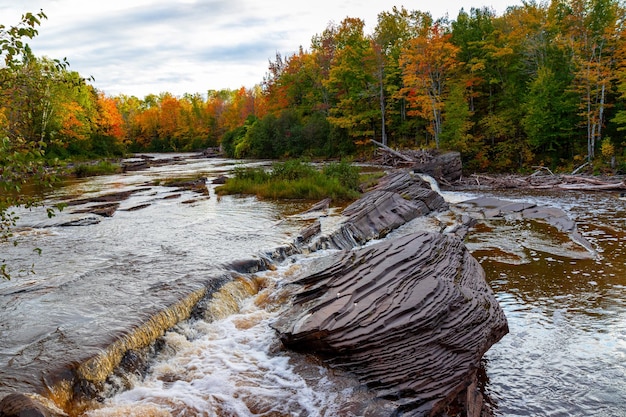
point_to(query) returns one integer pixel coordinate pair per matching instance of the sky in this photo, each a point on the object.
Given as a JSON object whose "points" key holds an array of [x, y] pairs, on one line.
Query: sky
{"points": [[141, 47]]}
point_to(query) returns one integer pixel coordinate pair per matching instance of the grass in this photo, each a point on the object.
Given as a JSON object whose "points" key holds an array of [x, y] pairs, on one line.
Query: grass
{"points": [[90, 170], [296, 179]]}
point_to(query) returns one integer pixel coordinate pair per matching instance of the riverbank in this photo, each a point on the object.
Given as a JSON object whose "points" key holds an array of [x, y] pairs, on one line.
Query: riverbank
{"points": [[540, 180], [96, 277], [446, 168]]}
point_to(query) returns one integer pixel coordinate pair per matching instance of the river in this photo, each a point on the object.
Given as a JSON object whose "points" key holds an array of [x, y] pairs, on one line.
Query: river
{"points": [[565, 353]]}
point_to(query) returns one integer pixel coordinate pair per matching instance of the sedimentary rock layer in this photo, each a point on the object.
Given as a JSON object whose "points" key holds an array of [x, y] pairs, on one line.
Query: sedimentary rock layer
{"points": [[490, 208], [398, 198], [410, 317]]}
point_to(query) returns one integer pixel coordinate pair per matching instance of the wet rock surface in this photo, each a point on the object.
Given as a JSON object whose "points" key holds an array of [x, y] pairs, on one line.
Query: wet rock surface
{"points": [[21, 405], [446, 167], [491, 208], [410, 317], [397, 199]]}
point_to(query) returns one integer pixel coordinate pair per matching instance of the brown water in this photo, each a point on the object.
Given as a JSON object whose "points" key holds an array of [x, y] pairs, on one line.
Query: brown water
{"points": [[565, 354], [102, 279], [566, 351]]}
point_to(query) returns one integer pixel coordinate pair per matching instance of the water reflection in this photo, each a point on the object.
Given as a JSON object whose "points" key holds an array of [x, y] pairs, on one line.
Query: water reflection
{"points": [[97, 280], [566, 351]]}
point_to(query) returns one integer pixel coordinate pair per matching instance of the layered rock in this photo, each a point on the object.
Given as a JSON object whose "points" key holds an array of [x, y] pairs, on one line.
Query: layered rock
{"points": [[28, 405], [397, 199], [446, 167], [493, 208], [410, 317]]}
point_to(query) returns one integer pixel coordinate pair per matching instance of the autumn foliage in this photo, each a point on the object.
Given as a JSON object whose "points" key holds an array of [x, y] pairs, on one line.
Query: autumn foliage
{"points": [[542, 84]]}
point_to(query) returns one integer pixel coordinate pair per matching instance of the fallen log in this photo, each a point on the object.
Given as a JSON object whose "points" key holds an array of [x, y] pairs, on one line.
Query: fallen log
{"points": [[391, 151], [593, 187], [546, 182], [590, 180]]}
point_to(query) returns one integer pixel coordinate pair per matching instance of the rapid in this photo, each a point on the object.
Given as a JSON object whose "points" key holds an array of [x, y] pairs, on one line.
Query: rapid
{"points": [[565, 353]]}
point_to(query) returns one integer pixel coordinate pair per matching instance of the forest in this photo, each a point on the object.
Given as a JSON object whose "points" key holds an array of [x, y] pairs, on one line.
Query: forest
{"points": [[543, 84]]}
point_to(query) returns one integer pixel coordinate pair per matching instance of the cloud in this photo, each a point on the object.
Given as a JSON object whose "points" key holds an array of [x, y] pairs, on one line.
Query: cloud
{"points": [[149, 46]]}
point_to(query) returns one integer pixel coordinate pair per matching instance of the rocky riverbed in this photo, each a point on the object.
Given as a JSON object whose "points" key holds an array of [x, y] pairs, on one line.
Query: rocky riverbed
{"points": [[410, 315]]}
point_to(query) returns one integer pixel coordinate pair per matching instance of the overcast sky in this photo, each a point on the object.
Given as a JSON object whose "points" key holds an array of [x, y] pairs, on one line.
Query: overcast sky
{"points": [[138, 47]]}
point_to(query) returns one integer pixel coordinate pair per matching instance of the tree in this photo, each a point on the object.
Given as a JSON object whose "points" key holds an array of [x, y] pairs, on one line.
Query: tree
{"points": [[20, 159], [457, 123], [353, 82], [169, 122], [391, 35], [427, 64], [590, 27], [109, 136], [549, 112], [620, 75]]}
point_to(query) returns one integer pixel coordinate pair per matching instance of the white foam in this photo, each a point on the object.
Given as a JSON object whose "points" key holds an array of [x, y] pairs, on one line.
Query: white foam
{"points": [[234, 366]]}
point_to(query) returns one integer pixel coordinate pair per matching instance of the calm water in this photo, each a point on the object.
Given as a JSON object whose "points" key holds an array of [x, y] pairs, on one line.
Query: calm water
{"points": [[565, 354], [566, 351]]}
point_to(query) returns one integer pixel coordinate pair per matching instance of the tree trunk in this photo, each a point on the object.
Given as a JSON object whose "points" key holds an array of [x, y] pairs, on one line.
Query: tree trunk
{"points": [[382, 108]]}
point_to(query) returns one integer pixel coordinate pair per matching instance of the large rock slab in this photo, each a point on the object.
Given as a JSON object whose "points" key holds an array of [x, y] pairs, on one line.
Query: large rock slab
{"points": [[446, 167], [411, 317], [494, 208], [398, 198], [413, 188]]}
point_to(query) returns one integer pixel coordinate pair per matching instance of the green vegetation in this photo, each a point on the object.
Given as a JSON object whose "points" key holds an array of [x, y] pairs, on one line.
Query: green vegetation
{"points": [[100, 168], [542, 84], [296, 179], [21, 159]]}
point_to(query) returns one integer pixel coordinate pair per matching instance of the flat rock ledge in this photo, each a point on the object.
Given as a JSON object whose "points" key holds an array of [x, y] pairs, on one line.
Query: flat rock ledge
{"points": [[399, 197], [410, 317], [492, 208]]}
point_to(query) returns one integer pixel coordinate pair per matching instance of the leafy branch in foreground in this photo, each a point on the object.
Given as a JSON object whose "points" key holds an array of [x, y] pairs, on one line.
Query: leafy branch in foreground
{"points": [[11, 43], [21, 160]]}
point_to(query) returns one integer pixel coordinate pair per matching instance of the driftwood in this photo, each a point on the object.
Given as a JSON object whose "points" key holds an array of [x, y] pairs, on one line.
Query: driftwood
{"points": [[392, 152], [538, 181], [577, 170], [404, 158], [445, 167]]}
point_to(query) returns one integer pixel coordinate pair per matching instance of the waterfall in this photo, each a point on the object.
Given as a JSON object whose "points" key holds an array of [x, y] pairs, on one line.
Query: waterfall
{"points": [[434, 185], [448, 196]]}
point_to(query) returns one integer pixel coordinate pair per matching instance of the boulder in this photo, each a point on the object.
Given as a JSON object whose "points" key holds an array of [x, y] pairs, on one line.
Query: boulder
{"points": [[411, 317], [371, 217], [28, 405], [413, 188], [221, 179], [446, 167], [398, 198]]}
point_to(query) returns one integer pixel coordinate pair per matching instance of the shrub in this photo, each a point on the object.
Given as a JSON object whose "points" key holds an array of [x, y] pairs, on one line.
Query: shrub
{"points": [[293, 170], [101, 168], [346, 173], [254, 174], [295, 179]]}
